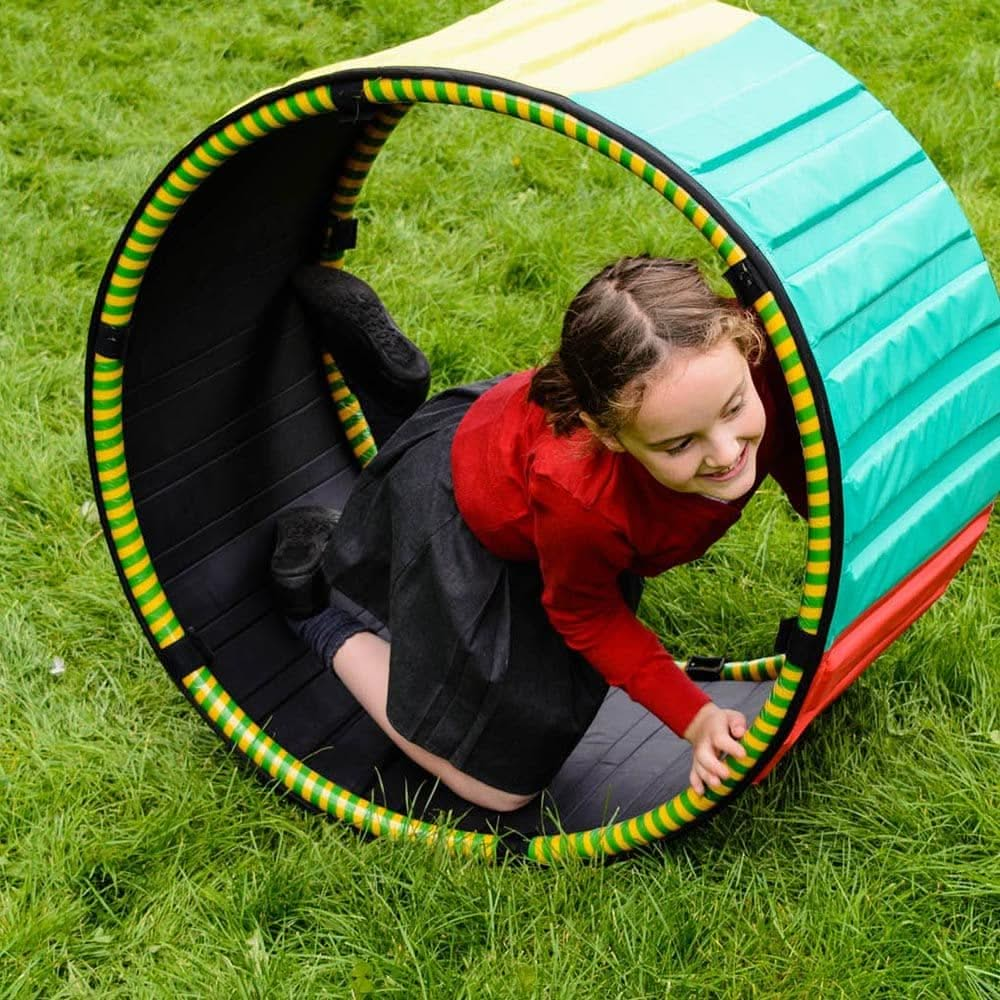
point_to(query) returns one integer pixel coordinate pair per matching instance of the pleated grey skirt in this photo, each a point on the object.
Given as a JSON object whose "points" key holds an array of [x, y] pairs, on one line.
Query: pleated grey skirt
{"points": [[477, 674]]}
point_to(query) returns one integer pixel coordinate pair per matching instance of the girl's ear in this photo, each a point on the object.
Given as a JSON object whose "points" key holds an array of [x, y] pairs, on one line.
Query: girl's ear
{"points": [[608, 440]]}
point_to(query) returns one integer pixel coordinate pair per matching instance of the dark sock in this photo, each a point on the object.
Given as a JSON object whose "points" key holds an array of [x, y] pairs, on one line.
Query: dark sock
{"points": [[326, 632]]}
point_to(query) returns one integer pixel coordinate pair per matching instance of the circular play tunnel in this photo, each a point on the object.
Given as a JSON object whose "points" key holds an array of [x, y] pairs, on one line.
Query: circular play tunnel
{"points": [[210, 410]]}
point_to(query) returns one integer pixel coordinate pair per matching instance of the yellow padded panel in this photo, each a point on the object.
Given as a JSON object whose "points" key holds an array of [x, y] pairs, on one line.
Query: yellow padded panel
{"points": [[565, 46]]}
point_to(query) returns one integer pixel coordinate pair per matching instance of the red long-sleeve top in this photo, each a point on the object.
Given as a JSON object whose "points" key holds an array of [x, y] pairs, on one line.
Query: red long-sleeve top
{"points": [[585, 514]]}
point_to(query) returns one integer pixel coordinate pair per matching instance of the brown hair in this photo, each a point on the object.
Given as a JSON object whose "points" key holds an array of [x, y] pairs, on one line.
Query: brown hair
{"points": [[624, 323]]}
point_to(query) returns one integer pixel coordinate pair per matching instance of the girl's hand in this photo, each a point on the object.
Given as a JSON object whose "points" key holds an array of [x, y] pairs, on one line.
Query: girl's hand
{"points": [[713, 733]]}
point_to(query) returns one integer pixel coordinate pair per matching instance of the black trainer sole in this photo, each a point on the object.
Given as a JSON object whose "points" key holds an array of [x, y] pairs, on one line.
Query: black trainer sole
{"points": [[350, 321], [301, 537]]}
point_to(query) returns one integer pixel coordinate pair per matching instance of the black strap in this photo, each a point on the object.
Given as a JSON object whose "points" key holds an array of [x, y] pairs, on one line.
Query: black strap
{"points": [[349, 100], [746, 282], [341, 234], [705, 668], [111, 340], [800, 648], [187, 654], [786, 628]]}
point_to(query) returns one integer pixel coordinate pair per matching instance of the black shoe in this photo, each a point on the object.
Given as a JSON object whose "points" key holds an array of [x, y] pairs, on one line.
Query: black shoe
{"points": [[300, 538], [349, 321]]}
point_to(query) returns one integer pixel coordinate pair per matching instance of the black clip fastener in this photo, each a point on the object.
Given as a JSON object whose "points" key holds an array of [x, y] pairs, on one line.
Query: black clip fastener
{"points": [[801, 648], [341, 234], [111, 340], [746, 282], [787, 628], [349, 100], [187, 654], [705, 668]]}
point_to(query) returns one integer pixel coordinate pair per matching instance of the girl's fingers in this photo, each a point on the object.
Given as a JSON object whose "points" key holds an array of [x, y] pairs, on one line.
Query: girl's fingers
{"points": [[711, 767], [731, 747], [722, 738], [737, 724], [696, 782]]}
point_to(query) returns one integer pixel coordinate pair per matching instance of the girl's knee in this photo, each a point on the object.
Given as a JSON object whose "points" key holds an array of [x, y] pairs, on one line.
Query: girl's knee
{"points": [[497, 800]]}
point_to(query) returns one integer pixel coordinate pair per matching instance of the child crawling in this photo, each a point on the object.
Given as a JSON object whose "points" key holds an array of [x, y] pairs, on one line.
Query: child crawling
{"points": [[503, 531]]}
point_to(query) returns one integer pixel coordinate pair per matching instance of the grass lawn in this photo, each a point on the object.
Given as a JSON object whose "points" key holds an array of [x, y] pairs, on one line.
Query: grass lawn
{"points": [[136, 860]]}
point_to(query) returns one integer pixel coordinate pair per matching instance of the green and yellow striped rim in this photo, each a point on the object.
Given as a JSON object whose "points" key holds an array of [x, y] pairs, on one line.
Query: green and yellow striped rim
{"points": [[345, 197], [352, 420], [116, 499], [243, 733], [356, 168], [761, 669], [117, 309], [684, 808], [687, 806], [168, 199], [395, 91], [819, 539]]}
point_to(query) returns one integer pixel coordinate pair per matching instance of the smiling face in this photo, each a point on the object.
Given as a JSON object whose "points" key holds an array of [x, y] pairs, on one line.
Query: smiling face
{"points": [[699, 424]]}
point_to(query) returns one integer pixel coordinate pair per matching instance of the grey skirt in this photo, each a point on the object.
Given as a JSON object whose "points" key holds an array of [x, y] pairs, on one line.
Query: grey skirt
{"points": [[477, 674]]}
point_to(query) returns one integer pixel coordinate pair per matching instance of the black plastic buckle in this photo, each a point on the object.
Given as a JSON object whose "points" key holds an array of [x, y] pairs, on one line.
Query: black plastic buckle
{"points": [[341, 234], [786, 630], [111, 341], [705, 668], [349, 100], [800, 648], [746, 282], [186, 655]]}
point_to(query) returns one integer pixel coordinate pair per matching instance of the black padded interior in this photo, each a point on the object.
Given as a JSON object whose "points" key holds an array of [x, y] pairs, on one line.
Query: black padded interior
{"points": [[228, 421]]}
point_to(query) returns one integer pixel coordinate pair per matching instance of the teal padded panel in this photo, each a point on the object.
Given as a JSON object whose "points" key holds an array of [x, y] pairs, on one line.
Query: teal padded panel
{"points": [[896, 301]]}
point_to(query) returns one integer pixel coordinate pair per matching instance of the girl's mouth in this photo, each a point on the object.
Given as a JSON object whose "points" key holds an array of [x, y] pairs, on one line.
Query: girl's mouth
{"points": [[733, 471]]}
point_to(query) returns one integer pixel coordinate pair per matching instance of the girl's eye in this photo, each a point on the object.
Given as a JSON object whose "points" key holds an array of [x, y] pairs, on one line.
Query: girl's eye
{"points": [[735, 408], [678, 448]]}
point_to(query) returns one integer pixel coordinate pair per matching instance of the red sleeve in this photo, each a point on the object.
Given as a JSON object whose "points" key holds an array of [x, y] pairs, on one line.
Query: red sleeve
{"points": [[787, 466], [581, 555]]}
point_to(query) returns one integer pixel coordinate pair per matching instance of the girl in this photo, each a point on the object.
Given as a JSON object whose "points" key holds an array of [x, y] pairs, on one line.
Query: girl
{"points": [[502, 533]]}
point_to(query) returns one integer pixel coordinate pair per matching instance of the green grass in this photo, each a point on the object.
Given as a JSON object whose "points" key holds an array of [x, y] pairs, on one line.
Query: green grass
{"points": [[137, 859]]}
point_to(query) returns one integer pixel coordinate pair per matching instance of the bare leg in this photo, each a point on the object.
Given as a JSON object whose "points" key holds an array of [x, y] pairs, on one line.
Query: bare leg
{"points": [[362, 663]]}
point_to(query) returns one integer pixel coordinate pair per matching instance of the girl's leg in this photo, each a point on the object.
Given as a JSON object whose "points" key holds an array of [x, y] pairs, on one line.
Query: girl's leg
{"points": [[358, 657], [362, 663]]}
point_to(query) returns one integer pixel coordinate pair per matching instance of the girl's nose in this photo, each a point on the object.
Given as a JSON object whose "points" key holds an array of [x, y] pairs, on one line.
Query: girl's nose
{"points": [[724, 453]]}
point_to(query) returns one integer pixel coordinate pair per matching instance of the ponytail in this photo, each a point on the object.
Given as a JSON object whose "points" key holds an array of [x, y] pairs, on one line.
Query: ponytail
{"points": [[552, 389]]}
